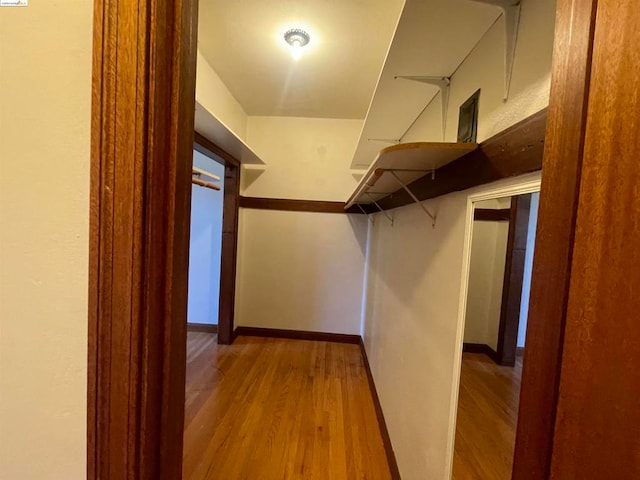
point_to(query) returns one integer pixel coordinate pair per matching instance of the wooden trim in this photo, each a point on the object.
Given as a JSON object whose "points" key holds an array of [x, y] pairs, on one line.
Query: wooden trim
{"points": [[143, 99], [513, 280], [562, 163], [202, 327], [492, 215], [297, 335], [229, 254], [596, 430], [206, 147], [515, 151], [284, 204], [384, 432], [480, 348]]}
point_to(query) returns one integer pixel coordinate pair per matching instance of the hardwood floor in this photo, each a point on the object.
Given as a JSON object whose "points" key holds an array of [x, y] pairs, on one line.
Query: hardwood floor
{"points": [[487, 416], [273, 409]]}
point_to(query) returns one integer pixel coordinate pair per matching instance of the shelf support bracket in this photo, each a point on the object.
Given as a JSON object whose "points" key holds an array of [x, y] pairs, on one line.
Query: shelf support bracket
{"points": [[369, 217], [444, 84], [389, 217], [511, 12], [415, 199]]}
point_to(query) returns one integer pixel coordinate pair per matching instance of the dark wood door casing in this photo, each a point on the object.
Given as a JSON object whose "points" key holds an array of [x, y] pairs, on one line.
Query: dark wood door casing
{"points": [[561, 170], [143, 99], [597, 427], [513, 279]]}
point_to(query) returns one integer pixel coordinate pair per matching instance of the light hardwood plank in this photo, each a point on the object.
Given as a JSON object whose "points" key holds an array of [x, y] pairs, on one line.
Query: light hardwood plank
{"points": [[266, 408], [487, 417]]}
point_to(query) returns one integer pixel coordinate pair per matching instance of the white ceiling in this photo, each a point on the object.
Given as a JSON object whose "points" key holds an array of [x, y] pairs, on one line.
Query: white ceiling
{"points": [[336, 76]]}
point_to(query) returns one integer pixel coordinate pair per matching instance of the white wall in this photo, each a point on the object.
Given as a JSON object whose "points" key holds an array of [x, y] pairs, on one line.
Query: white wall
{"points": [[484, 68], [45, 95], [300, 270], [413, 295], [528, 269], [307, 158], [486, 278], [205, 246], [214, 95]]}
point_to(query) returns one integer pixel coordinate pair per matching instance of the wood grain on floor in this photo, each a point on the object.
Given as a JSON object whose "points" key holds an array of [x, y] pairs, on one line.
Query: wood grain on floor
{"points": [[487, 416], [273, 409]]}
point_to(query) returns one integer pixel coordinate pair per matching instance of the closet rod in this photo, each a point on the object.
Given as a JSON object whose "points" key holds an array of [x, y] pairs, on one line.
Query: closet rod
{"points": [[200, 171], [202, 183]]}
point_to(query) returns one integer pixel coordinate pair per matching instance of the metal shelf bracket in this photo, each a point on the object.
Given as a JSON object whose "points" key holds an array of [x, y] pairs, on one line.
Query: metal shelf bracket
{"points": [[444, 84], [369, 217], [511, 11], [415, 199], [389, 217]]}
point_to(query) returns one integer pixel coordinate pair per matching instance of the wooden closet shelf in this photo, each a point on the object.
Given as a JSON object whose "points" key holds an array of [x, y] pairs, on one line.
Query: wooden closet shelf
{"points": [[402, 164]]}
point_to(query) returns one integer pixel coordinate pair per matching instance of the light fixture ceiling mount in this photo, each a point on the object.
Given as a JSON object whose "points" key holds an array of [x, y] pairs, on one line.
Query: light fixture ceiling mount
{"points": [[296, 38]]}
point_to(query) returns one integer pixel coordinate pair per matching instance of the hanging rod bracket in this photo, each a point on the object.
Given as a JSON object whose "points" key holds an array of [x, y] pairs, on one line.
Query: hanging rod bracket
{"points": [[389, 217], [415, 199]]}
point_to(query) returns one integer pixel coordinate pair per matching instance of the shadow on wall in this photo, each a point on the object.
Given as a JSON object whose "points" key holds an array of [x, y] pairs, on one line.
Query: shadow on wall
{"points": [[413, 229], [359, 225]]}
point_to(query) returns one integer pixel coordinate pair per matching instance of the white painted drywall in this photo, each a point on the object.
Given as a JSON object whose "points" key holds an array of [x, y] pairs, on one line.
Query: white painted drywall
{"points": [[300, 270], [307, 158], [414, 285], [481, 266], [486, 277], [45, 99], [205, 246], [484, 68], [528, 269], [214, 96], [497, 280]]}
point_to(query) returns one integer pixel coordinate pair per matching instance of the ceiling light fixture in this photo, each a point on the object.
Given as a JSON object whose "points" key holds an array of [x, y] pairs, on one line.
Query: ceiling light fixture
{"points": [[296, 38]]}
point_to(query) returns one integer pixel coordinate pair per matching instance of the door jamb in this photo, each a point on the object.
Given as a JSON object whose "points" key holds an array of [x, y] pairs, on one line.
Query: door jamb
{"points": [[142, 116], [513, 280]]}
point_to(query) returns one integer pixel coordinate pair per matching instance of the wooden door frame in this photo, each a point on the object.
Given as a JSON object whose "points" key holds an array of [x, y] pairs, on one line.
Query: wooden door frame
{"points": [[143, 103], [229, 249], [513, 279], [561, 171]]}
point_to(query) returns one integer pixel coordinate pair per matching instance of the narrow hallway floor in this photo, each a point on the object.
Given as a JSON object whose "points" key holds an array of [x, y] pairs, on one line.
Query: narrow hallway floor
{"points": [[487, 417], [273, 409]]}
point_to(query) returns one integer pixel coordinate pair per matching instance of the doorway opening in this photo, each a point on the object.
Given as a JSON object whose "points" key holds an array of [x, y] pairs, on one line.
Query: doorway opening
{"points": [[205, 244], [224, 219], [502, 246], [498, 261]]}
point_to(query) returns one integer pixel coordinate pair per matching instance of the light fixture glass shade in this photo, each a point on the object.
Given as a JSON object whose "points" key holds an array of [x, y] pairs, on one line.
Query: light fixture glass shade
{"points": [[297, 39]]}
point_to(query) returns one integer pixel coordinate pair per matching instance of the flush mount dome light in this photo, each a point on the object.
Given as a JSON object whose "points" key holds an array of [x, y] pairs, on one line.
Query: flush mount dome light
{"points": [[296, 38]]}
